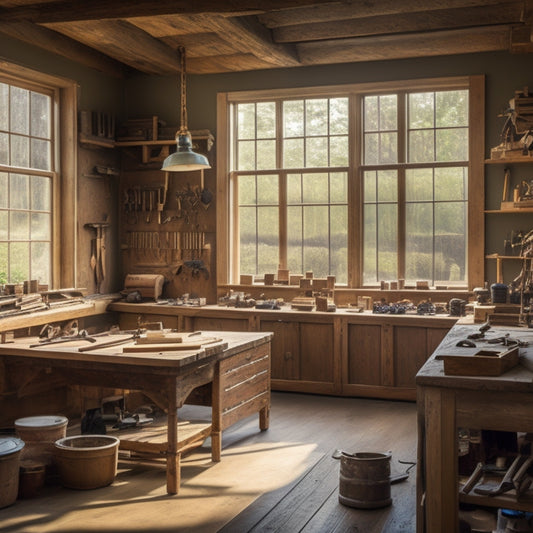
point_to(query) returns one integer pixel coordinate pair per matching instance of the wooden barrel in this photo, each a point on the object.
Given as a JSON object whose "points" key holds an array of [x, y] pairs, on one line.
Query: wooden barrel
{"points": [[365, 480]]}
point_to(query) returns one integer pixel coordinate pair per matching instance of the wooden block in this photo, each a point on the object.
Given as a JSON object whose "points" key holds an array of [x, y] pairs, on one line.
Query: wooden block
{"points": [[366, 302], [481, 312], [269, 279], [506, 205], [319, 284], [309, 274], [504, 319], [422, 285], [303, 303], [294, 279], [331, 282], [321, 303], [283, 274], [393, 285], [247, 279], [305, 283]]}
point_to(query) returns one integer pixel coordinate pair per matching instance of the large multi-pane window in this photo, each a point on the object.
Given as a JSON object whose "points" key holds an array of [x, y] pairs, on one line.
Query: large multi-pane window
{"points": [[366, 184], [415, 199], [26, 175], [292, 185]]}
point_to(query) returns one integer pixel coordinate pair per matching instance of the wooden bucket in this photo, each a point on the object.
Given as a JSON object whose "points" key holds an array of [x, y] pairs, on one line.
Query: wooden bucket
{"points": [[87, 461], [10, 449], [365, 480]]}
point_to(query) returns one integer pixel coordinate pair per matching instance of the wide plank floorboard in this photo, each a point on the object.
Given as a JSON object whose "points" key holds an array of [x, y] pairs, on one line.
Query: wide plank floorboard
{"points": [[284, 479], [312, 505]]}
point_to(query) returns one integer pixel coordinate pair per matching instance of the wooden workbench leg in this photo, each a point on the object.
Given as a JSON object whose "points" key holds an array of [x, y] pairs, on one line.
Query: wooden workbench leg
{"points": [[216, 417], [264, 417], [420, 462], [173, 457], [441, 498]]}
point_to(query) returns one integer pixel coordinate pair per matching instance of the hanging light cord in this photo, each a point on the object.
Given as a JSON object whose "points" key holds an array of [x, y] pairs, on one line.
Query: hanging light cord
{"points": [[183, 91]]}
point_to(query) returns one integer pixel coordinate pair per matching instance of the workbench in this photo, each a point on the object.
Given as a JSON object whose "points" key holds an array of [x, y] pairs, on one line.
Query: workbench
{"points": [[235, 371], [448, 402]]}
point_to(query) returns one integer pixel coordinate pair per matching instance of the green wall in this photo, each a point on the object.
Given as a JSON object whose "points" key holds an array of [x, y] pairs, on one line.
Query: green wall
{"points": [[504, 73], [98, 92]]}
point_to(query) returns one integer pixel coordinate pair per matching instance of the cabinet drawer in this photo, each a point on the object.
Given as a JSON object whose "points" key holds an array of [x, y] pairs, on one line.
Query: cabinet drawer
{"points": [[244, 384], [243, 367]]}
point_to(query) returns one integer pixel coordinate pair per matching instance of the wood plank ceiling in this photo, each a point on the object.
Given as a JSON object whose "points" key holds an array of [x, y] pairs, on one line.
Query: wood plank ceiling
{"points": [[122, 36]]}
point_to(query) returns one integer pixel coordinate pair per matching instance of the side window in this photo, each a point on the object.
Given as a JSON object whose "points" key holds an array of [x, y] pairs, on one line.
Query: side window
{"points": [[27, 172]]}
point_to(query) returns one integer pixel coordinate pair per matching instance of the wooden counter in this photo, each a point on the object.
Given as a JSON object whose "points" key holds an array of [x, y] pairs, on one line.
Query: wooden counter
{"points": [[59, 314], [448, 402], [237, 370], [341, 353]]}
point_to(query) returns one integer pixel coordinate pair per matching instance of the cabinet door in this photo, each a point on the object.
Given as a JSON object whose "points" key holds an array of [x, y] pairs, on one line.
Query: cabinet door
{"points": [[316, 352], [285, 356], [412, 347], [364, 354]]}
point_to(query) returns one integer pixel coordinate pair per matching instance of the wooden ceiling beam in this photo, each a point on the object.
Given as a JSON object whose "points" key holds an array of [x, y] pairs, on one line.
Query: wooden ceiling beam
{"points": [[390, 47], [219, 64], [74, 10], [246, 35], [358, 9], [61, 45], [442, 19], [124, 42], [522, 39]]}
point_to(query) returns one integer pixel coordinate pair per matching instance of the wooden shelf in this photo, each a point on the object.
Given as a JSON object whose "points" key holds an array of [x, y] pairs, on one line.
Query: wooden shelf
{"points": [[507, 500], [156, 150], [499, 263], [200, 135], [509, 211], [510, 160], [152, 438], [93, 140], [498, 256]]}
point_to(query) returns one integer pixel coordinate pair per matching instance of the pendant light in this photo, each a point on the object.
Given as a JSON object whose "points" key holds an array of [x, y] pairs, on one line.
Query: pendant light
{"points": [[184, 159]]}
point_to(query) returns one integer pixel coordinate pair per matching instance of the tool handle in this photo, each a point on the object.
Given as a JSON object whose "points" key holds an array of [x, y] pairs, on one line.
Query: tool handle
{"points": [[473, 479], [517, 478]]}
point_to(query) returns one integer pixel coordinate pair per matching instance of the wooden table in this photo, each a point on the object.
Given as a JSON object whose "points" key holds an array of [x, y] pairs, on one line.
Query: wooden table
{"points": [[446, 403], [236, 372]]}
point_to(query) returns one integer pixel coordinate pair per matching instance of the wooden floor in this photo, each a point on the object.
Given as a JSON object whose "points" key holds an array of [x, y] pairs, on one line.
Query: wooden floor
{"points": [[284, 479]]}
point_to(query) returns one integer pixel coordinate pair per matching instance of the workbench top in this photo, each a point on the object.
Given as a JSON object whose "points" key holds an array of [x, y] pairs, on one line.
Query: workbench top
{"points": [[517, 379], [228, 344]]}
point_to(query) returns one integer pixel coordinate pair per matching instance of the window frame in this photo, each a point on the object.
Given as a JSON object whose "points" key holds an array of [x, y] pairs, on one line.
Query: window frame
{"points": [[64, 94], [227, 231]]}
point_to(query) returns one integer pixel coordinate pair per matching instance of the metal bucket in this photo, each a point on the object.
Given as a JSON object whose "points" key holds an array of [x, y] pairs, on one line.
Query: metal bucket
{"points": [[365, 480]]}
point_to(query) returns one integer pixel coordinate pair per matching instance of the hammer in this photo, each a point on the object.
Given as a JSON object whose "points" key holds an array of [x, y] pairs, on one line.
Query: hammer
{"points": [[98, 252]]}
